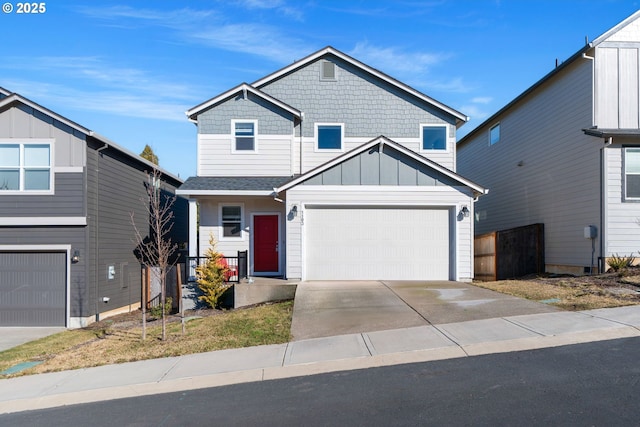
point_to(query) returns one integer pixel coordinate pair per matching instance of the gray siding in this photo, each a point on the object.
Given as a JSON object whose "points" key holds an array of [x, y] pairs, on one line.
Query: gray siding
{"points": [[272, 120], [368, 106], [374, 167], [115, 189], [68, 200], [22, 122], [544, 169]]}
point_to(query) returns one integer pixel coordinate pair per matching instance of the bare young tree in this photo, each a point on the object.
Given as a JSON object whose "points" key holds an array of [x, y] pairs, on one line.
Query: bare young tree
{"points": [[156, 249]]}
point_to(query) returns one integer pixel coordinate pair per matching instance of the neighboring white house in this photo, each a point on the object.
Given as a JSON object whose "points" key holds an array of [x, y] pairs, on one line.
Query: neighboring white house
{"points": [[329, 169], [566, 153]]}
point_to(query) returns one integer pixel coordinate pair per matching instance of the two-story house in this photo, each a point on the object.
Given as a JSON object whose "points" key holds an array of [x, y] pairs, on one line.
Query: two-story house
{"points": [[566, 153], [67, 254], [329, 169]]}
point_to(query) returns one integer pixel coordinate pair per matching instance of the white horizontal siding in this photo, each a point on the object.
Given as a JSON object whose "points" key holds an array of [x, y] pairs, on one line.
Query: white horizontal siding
{"points": [[557, 182], [382, 196], [622, 228], [215, 156]]}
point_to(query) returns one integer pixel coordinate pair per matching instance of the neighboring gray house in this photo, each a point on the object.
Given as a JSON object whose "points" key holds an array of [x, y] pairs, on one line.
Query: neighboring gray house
{"points": [[329, 169], [566, 153], [66, 239]]}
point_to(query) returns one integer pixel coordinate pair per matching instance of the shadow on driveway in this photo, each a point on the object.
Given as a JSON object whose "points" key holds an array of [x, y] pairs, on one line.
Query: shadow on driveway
{"points": [[328, 308]]}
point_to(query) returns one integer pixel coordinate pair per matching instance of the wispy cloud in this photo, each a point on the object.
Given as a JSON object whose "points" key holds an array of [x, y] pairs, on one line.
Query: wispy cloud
{"points": [[395, 59], [212, 29], [101, 86], [278, 5], [482, 100]]}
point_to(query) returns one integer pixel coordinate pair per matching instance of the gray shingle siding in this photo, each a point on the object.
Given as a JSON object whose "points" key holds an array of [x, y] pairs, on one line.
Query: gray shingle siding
{"points": [[68, 200], [272, 120], [368, 106]]}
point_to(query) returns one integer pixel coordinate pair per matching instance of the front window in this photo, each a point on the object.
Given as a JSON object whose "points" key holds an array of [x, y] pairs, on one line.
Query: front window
{"points": [[632, 172], [25, 167], [245, 135], [231, 221], [329, 137], [434, 137]]}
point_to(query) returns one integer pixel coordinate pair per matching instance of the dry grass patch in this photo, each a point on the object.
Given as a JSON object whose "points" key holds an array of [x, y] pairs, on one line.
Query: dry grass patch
{"points": [[110, 342], [573, 293]]}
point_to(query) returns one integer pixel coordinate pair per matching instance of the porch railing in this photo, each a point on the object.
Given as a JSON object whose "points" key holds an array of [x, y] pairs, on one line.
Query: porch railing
{"points": [[237, 266]]}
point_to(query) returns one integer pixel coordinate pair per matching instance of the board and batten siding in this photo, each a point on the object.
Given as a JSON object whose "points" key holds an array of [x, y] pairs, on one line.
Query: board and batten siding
{"points": [[436, 197], [368, 107], [621, 216], [544, 169]]}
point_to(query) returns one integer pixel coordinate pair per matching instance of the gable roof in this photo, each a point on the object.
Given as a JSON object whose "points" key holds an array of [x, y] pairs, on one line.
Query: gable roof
{"points": [[16, 98], [382, 140], [257, 85], [579, 54], [244, 87]]}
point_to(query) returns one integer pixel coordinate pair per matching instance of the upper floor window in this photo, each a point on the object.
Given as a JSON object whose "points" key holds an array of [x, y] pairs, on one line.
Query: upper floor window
{"points": [[329, 137], [632, 172], [434, 137], [25, 167], [245, 135], [494, 134]]}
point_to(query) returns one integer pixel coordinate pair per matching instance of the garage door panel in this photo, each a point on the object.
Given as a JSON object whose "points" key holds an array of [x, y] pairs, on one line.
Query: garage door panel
{"points": [[373, 243], [32, 289]]}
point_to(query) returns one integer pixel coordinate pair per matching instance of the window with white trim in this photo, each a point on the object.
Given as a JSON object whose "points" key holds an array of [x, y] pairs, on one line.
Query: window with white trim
{"points": [[494, 134], [434, 137], [245, 135], [25, 167], [632, 173], [329, 136], [231, 219]]}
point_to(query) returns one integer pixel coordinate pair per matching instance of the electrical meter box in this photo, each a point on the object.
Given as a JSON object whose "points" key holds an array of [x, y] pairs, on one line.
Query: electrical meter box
{"points": [[590, 232]]}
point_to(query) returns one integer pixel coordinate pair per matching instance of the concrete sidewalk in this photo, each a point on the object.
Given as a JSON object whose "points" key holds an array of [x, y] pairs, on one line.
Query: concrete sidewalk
{"points": [[320, 355]]}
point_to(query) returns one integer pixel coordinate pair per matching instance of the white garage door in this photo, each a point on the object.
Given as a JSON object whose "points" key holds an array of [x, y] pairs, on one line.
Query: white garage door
{"points": [[373, 243]]}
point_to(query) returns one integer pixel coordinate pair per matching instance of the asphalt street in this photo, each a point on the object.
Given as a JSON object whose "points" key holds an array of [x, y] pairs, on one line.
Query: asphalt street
{"points": [[595, 384]]}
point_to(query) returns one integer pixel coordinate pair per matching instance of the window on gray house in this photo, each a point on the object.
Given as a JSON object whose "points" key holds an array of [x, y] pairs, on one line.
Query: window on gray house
{"points": [[25, 167], [231, 221], [245, 136], [434, 137], [329, 137], [494, 134], [328, 71], [632, 172]]}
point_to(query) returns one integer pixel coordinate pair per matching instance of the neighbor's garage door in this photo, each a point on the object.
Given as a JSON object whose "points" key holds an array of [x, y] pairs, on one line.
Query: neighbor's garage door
{"points": [[32, 289], [373, 243]]}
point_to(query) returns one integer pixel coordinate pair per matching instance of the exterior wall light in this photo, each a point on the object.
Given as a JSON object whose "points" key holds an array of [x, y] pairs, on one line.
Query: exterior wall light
{"points": [[465, 212], [75, 258], [294, 210]]}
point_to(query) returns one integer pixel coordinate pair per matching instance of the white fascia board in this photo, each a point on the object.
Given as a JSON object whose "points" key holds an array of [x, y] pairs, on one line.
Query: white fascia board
{"points": [[244, 87], [224, 192], [615, 29], [330, 50], [43, 220]]}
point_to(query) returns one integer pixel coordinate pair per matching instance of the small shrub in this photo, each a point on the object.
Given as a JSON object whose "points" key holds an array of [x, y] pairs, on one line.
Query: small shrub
{"points": [[156, 312], [210, 276], [617, 262]]}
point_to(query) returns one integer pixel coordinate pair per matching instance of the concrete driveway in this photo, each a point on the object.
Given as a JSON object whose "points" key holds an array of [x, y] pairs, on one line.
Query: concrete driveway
{"points": [[323, 309]]}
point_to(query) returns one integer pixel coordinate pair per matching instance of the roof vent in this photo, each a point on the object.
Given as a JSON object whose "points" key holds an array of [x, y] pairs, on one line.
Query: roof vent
{"points": [[328, 71]]}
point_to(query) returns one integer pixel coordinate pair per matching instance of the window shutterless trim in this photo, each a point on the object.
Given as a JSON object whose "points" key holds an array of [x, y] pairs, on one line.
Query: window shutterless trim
{"points": [[316, 135], [221, 236], [447, 143], [495, 126], [234, 136], [22, 168]]}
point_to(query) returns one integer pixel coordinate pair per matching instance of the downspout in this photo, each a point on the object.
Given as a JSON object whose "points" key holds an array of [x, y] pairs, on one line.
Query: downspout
{"points": [[97, 217], [301, 120]]}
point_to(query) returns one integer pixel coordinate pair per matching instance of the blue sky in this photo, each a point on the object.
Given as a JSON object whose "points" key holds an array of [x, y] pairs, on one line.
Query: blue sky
{"points": [[130, 69]]}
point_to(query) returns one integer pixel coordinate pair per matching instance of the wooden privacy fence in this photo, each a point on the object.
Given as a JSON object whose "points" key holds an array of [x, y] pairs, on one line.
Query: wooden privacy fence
{"points": [[509, 253], [151, 286]]}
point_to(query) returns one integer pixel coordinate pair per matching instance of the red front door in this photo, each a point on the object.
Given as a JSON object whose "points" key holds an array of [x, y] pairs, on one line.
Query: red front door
{"points": [[265, 243]]}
